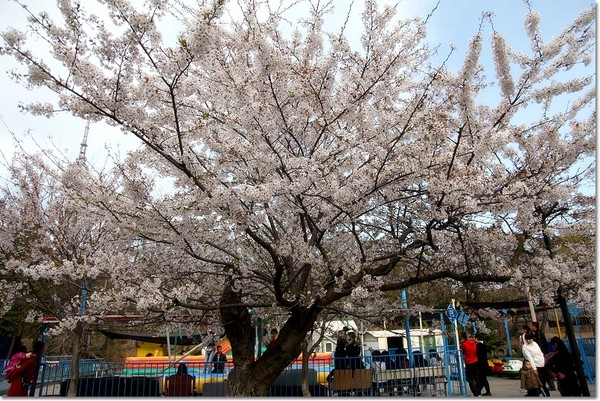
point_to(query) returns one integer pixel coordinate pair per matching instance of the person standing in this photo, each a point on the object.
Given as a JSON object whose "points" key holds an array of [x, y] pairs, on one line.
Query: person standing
{"points": [[209, 343], [340, 360], [378, 367], [390, 363], [482, 364], [533, 353], [220, 359], [340, 357], [418, 361], [561, 364], [16, 360], [540, 339], [435, 360], [402, 358], [353, 352], [524, 331], [469, 350], [530, 380], [25, 374]]}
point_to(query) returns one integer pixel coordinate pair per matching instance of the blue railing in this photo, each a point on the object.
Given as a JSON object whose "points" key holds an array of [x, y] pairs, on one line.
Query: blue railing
{"points": [[374, 376], [388, 375], [587, 349], [98, 378], [3, 383]]}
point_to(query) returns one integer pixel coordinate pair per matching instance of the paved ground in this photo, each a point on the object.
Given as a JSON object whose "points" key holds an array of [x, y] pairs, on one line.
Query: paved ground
{"points": [[504, 387]]}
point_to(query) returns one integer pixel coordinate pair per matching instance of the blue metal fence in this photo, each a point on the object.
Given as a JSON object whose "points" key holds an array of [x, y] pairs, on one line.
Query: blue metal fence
{"points": [[3, 383], [374, 376], [388, 375], [587, 349]]}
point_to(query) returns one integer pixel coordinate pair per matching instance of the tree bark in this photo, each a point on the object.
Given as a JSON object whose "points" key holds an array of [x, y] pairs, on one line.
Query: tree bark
{"points": [[250, 377], [305, 356], [77, 336]]}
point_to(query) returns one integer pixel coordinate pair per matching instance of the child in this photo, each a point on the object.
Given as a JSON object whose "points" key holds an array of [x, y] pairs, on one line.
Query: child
{"points": [[15, 360], [529, 380]]}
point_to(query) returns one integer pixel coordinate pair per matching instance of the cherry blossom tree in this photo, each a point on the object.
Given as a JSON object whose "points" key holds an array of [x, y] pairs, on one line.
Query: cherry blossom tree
{"points": [[54, 254], [287, 171]]}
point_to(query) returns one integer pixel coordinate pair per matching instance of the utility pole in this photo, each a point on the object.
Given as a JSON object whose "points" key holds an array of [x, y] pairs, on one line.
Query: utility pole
{"points": [[529, 300], [585, 391]]}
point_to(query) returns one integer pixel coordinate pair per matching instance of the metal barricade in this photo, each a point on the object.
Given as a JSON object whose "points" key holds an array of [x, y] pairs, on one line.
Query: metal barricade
{"points": [[587, 349], [99, 378]]}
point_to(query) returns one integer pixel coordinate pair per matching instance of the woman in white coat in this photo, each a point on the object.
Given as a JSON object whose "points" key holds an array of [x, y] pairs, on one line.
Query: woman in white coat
{"points": [[533, 353]]}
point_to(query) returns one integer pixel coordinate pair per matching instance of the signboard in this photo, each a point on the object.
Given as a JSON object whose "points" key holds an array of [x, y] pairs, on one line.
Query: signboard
{"points": [[463, 318], [451, 313], [574, 309]]}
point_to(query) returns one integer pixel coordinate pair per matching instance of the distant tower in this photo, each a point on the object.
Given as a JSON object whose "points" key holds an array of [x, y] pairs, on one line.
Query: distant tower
{"points": [[81, 161], [83, 147]]}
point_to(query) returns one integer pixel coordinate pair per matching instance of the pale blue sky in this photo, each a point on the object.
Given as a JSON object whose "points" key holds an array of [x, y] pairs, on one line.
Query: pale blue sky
{"points": [[454, 22]]}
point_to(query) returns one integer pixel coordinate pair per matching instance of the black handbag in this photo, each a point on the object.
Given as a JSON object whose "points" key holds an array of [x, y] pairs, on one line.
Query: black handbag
{"points": [[24, 382]]}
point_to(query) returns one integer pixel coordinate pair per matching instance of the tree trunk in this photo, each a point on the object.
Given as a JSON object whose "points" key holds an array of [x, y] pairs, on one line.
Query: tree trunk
{"points": [[12, 345], [77, 336], [249, 377], [305, 356]]}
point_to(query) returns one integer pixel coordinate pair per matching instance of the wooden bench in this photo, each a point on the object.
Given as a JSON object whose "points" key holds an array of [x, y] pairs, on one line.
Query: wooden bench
{"points": [[352, 382], [407, 379]]}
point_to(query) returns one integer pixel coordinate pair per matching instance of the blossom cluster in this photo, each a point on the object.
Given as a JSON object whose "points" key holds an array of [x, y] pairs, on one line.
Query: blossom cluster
{"points": [[302, 174]]}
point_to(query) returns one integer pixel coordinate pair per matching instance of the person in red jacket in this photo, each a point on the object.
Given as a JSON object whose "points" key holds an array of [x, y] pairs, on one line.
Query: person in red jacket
{"points": [[25, 373], [469, 349]]}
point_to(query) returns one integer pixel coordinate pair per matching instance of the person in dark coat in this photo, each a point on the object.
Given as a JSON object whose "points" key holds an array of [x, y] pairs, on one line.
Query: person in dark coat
{"points": [[418, 361], [561, 364], [540, 338], [482, 364], [353, 352], [219, 361], [390, 363], [340, 358], [402, 358]]}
